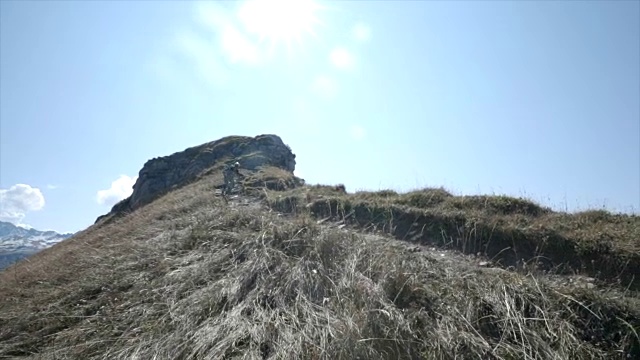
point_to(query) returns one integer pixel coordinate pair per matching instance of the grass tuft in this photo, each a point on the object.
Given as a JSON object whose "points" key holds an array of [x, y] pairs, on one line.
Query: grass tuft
{"points": [[314, 273]]}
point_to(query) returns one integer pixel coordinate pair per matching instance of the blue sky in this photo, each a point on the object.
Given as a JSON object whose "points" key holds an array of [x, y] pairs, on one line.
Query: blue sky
{"points": [[524, 98]]}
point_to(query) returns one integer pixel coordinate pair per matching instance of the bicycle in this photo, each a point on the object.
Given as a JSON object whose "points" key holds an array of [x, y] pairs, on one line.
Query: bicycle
{"points": [[232, 187]]}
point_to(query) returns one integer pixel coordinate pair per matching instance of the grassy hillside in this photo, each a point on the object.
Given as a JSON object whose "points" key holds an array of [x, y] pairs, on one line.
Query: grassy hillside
{"points": [[512, 232], [310, 272]]}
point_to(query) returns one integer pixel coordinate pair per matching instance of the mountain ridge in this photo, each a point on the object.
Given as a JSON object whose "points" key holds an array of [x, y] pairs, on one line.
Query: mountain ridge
{"points": [[286, 269], [18, 242], [162, 174]]}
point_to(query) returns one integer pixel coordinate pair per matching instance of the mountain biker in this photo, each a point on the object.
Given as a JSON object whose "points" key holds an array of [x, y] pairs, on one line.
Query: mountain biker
{"points": [[231, 174]]}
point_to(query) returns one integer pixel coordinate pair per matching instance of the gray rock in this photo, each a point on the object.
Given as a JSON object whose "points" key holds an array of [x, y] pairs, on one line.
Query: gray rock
{"points": [[163, 174]]}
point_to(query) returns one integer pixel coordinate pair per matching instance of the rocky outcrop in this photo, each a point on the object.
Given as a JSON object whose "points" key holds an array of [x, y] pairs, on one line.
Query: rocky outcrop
{"points": [[160, 175]]}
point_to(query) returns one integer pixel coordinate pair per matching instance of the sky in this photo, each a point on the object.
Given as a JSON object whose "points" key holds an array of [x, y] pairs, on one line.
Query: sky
{"points": [[535, 99]]}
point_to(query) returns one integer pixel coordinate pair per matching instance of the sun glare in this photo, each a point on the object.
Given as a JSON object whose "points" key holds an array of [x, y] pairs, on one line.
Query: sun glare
{"points": [[279, 20]]}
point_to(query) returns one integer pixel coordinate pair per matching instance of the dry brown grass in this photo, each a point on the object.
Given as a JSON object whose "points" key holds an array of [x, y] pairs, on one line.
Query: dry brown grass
{"points": [[271, 178], [512, 232], [187, 277]]}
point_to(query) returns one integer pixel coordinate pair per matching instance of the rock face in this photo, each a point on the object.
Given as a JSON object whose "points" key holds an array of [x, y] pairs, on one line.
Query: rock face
{"points": [[160, 175]]}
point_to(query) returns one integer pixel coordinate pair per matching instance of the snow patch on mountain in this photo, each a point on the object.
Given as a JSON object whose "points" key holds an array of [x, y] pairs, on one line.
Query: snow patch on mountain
{"points": [[17, 242]]}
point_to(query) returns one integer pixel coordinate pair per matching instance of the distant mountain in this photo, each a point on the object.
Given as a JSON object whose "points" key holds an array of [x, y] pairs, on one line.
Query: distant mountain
{"points": [[17, 243]]}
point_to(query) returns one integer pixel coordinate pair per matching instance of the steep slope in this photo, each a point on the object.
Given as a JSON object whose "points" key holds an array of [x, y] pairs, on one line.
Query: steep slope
{"points": [[309, 272], [17, 243], [163, 174]]}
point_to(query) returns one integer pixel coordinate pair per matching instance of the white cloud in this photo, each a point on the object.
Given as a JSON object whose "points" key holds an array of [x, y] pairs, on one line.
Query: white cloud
{"points": [[120, 188], [361, 32], [52, 187], [357, 132], [324, 86], [341, 58], [19, 199]]}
